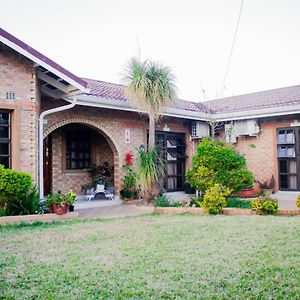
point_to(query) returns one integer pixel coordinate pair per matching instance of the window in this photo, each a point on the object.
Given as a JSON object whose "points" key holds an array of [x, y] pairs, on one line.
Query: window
{"points": [[78, 149], [286, 136], [5, 140]]}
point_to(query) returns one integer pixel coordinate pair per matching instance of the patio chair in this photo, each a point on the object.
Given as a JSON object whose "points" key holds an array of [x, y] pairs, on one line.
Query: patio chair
{"points": [[101, 189]]}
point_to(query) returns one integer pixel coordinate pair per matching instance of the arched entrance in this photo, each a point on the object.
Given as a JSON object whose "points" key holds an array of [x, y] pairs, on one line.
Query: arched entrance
{"points": [[70, 147]]}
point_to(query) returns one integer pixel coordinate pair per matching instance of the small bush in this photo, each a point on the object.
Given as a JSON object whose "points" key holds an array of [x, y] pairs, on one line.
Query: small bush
{"points": [[164, 201], [25, 204], [161, 201], [238, 203], [298, 201], [196, 201], [126, 193], [13, 184], [215, 199], [265, 205], [217, 163]]}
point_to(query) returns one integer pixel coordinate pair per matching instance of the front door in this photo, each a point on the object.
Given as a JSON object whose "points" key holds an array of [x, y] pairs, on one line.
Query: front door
{"points": [[171, 148], [288, 152]]}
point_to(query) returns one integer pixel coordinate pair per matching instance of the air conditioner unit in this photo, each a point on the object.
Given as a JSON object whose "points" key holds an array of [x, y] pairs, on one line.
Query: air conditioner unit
{"points": [[199, 130], [246, 127], [230, 133]]}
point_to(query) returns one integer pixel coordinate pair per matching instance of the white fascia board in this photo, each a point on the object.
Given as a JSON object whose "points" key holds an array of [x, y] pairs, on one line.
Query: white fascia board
{"points": [[123, 105], [43, 64], [260, 113]]}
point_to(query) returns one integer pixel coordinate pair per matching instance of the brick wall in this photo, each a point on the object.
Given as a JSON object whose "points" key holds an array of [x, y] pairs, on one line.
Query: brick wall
{"points": [[65, 180], [262, 160], [111, 125], [17, 75]]}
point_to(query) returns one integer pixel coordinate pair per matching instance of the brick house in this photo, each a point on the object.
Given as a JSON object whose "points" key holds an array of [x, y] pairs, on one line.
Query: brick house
{"points": [[74, 122]]}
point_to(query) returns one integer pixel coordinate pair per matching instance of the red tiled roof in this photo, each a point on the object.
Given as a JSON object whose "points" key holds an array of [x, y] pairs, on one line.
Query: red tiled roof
{"points": [[113, 91], [287, 96]]}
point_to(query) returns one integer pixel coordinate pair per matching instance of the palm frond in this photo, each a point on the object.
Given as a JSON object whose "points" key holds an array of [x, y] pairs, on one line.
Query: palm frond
{"points": [[150, 86]]}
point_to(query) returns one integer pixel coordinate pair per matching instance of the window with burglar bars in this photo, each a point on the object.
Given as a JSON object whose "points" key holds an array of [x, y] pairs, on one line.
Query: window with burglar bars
{"points": [[288, 146], [5, 138], [78, 149]]}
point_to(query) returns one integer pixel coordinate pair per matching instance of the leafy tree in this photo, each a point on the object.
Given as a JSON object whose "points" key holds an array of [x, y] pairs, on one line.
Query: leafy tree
{"points": [[150, 87], [217, 163]]}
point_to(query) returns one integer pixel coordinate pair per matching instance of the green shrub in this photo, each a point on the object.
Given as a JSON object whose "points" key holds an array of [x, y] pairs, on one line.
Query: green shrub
{"points": [[161, 201], [164, 201], [13, 184], [217, 163], [17, 195], [265, 205], [238, 203], [298, 201], [197, 201], [130, 190], [25, 204], [126, 193], [215, 199]]}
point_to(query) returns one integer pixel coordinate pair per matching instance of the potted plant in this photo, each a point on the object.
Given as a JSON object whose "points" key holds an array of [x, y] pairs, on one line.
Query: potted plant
{"points": [[100, 175], [248, 192], [267, 186], [70, 197], [57, 203]]}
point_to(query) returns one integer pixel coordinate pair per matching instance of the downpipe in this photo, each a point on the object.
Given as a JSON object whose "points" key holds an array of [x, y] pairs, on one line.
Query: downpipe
{"points": [[41, 139]]}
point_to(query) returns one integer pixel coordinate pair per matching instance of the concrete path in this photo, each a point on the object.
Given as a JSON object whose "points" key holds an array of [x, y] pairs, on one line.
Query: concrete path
{"points": [[286, 200], [115, 211]]}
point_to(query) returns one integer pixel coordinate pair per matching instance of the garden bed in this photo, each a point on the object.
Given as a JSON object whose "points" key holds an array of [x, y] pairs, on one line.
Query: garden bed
{"points": [[39, 217], [226, 211]]}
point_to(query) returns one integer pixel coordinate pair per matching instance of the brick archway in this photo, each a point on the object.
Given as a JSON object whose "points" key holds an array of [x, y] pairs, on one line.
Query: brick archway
{"points": [[103, 131]]}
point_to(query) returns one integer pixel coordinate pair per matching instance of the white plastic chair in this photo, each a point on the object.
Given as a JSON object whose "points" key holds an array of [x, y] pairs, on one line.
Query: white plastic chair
{"points": [[101, 189]]}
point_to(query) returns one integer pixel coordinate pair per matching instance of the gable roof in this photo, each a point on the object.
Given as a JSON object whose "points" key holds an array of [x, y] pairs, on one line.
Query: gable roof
{"points": [[41, 60]]}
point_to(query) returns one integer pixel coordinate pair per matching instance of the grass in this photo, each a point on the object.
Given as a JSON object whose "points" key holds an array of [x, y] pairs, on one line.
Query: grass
{"points": [[239, 203], [153, 257]]}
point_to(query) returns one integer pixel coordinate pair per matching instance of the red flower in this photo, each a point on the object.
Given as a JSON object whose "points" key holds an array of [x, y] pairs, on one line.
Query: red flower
{"points": [[129, 158]]}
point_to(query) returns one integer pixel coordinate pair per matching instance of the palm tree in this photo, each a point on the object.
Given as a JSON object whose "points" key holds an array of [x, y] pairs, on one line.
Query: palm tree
{"points": [[150, 87]]}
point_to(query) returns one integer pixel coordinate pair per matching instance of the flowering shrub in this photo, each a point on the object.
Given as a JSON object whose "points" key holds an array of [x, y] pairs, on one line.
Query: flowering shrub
{"points": [[129, 158]]}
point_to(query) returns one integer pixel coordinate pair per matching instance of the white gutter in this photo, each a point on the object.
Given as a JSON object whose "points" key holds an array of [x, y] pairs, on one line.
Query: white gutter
{"points": [[109, 103], [125, 106], [41, 139]]}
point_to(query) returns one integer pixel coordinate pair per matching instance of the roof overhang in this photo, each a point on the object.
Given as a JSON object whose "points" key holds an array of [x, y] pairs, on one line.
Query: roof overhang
{"points": [[57, 82], [100, 102]]}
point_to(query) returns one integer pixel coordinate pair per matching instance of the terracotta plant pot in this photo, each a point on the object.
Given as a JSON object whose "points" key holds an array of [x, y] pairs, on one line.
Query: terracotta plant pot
{"points": [[60, 208], [247, 193]]}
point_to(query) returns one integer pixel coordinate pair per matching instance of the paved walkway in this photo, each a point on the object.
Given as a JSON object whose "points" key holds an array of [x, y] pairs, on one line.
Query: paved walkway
{"points": [[286, 200], [115, 211]]}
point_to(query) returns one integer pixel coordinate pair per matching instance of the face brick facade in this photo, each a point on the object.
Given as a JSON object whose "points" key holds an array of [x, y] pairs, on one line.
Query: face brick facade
{"points": [[108, 128], [18, 75]]}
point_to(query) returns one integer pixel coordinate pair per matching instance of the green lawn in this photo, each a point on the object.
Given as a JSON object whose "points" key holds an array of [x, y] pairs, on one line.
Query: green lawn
{"points": [[158, 257]]}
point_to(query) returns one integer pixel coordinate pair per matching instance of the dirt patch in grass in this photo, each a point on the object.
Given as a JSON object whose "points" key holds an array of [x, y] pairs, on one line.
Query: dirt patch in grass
{"points": [[157, 257]]}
